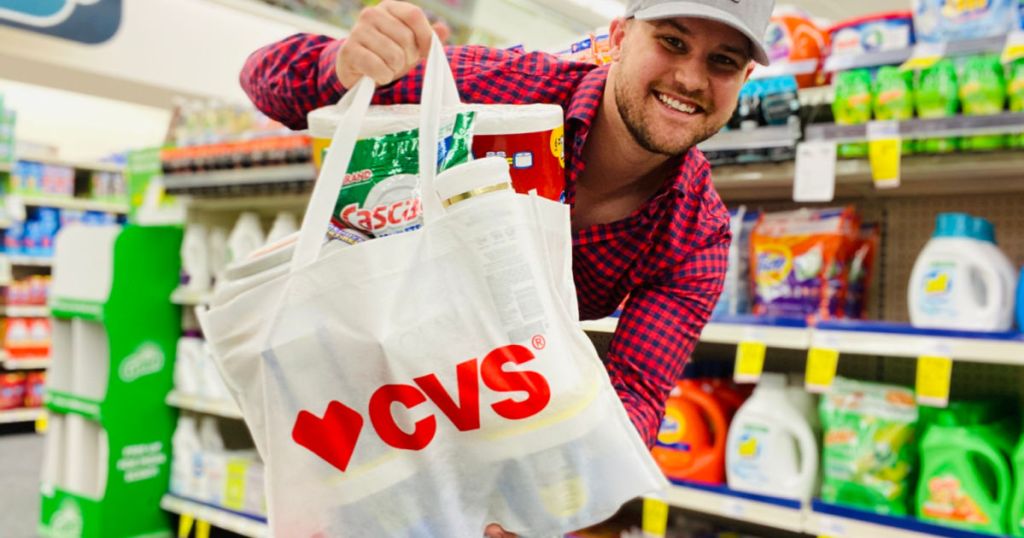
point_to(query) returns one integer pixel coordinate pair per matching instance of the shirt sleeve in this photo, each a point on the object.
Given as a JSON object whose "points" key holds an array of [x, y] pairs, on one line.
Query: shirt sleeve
{"points": [[661, 324]]}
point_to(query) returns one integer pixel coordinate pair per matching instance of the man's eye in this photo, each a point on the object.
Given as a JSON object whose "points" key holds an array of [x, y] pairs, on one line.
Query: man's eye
{"points": [[724, 60], [674, 43]]}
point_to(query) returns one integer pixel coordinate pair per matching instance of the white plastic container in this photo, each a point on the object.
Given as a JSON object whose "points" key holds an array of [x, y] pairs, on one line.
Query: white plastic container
{"points": [[195, 258], [771, 449], [245, 237], [961, 280], [284, 225], [186, 446]]}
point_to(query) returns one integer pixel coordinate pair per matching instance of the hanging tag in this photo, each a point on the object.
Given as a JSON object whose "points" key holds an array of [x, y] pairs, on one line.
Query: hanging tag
{"points": [[749, 361], [815, 179], [1013, 50], [885, 148], [924, 56], [934, 376], [655, 518], [821, 369]]}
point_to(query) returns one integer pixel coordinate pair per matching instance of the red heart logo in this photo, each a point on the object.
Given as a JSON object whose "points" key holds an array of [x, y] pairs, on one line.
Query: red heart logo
{"points": [[333, 437]]}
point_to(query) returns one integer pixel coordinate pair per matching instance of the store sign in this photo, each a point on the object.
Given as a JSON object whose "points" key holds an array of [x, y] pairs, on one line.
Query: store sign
{"points": [[86, 21]]}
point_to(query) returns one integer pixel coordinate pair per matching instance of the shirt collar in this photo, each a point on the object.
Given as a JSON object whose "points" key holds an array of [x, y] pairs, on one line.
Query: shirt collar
{"points": [[587, 97]]}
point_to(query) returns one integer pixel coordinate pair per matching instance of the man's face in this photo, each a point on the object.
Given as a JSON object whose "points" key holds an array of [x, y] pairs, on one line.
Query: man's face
{"points": [[677, 81]]}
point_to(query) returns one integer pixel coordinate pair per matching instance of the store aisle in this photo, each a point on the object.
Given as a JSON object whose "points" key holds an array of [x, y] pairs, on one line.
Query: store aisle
{"points": [[22, 456]]}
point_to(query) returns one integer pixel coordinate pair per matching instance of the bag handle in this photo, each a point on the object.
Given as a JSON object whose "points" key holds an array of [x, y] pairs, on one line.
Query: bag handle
{"points": [[439, 92]]}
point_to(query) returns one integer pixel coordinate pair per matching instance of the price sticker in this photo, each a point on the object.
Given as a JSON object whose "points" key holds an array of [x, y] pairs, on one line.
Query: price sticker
{"points": [[749, 361], [42, 423], [815, 179], [1013, 50], [885, 149], [924, 56], [185, 523], [821, 369], [655, 518], [202, 529], [934, 375]]}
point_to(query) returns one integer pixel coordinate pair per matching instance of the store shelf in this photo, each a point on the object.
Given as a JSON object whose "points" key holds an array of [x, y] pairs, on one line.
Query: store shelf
{"points": [[783, 334], [238, 523], [720, 501], [12, 416], [1007, 122], [79, 165], [80, 204], [967, 47], [988, 173], [241, 180], [29, 261], [224, 408], [18, 311], [26, 364], [783, 69], [841, 522], [782, 136], [187, 297]]}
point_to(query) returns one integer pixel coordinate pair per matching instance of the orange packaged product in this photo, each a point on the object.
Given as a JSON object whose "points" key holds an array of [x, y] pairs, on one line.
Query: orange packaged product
{"points": [[799, 262]]}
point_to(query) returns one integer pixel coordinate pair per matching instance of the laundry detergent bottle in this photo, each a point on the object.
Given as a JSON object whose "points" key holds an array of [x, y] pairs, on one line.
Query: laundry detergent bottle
{"points": [[965, 479], [771, 449], [961, 280], [691, 442]]}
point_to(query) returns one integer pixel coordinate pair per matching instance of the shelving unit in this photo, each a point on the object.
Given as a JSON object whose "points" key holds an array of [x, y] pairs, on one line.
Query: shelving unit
{"points": [[26, 311], [226, 409], [29, 261], [79, 165], [898, 56], [69, 202], [25, 414], [26, 364], [234, 182], [243, 524], [720, 501]]}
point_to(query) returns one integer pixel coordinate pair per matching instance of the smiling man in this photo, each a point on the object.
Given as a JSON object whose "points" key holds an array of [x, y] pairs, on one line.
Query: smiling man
{"points": [[647, 222]]}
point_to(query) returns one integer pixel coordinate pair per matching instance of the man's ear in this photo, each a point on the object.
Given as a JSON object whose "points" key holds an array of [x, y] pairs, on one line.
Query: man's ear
{"points": [[616, 35], [750, 69]]}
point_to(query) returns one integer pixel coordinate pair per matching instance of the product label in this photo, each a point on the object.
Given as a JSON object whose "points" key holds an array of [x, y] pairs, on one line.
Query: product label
{"points": [[67, 520], [379, 194], [673, 431], [938, 286], [148, 359], [948, 501], [536, 160], [750, 446], [142, 461]]}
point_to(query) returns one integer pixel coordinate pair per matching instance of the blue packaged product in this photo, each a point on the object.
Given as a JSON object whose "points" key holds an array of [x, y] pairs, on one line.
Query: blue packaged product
{"points": [[942, 21], [12, 239], [873, 33], [735, 298], [31, 239]]}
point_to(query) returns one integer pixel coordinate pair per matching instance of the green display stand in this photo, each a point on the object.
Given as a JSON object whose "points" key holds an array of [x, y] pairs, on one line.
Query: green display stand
{"points": [[115, 331]]}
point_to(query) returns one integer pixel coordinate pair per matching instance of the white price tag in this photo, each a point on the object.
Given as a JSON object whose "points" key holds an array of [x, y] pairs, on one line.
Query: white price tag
{"points": [[815, 172], [879, 130], [831, 527], [15, 208], [1014, 48], [733, 508]]}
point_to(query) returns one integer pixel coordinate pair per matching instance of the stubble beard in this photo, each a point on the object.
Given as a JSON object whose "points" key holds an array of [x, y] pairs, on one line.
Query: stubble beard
{"points": [[631, 112]]}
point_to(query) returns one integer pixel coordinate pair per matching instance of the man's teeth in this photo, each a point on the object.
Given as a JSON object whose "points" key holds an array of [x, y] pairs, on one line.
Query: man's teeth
{"points": [[677, 105]]}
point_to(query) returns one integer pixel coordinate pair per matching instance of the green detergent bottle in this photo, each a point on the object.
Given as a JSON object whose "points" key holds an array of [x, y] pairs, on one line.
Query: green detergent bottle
{"points": [[1015, 91], [893, 98], [937, 95], [1016, 522], [965, 479], [852, 106], [983, 93]]}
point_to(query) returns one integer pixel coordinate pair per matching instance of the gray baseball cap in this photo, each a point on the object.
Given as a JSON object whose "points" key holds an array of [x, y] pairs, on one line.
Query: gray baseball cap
{"points": [[747, 16]]}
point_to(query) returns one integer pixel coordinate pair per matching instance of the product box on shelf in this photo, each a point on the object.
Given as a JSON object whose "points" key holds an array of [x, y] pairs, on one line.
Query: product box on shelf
{"points": [[940, 21], [873, 33], [27, 337]]}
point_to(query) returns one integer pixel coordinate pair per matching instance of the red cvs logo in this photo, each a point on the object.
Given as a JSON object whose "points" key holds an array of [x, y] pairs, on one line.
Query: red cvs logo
{"points": [[334, 436]]}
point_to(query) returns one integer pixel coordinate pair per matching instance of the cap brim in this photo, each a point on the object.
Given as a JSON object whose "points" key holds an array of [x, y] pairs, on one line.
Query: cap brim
{"points": [[701, 11]]}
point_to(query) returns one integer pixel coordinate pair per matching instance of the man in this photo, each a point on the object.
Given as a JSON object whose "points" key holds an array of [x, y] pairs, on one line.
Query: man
{"points": [[647, 222]]}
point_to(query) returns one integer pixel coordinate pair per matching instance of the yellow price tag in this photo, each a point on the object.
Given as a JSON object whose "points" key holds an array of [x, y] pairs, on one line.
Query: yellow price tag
{"points": [[1013, 50], [42, 422], [934, 375], [202, 529], [185, 523], [821, 369], [924, 56], [749, 361], [655, 518], [884, 155]]}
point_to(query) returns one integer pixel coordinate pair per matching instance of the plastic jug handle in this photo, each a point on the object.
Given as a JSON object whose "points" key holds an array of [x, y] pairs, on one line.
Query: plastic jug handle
{"points": [[808, 455], [995, 293], [717, 418], [1000, 466]]}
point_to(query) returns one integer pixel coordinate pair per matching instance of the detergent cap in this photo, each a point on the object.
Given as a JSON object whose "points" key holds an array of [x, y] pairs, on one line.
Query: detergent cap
{"points": [[964, 226]]}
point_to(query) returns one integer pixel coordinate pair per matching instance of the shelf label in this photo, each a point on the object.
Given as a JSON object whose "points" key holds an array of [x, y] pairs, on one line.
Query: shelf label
{"points": [[202, 529], [734, 508], [924, 56], [821, 369], [831, 528], [815, 179], [934, 375], [1014, 48], [42, 422], [185, 523], [885, 148], [749, 361], [655, 518]]}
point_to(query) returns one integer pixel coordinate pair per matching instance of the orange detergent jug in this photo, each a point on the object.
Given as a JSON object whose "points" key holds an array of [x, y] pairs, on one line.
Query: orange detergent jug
{"points": [[691, 442], [727, 394]]}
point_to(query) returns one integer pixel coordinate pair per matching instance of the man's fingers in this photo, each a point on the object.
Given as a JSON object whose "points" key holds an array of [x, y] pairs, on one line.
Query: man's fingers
{"points": [[366, 62], [495, 531], [401, 35], [414, 19], [390, 52], [443, 31]]}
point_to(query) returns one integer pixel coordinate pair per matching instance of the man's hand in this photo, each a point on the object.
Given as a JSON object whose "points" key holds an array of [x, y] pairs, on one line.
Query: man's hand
{"points": [[495, 531], [387, 41]]}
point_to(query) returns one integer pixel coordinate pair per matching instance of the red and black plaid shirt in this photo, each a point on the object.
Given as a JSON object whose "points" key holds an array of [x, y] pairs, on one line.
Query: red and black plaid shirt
{"points": [[669, 257]]}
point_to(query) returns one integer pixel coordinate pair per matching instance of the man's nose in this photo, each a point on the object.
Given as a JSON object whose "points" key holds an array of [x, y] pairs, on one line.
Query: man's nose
{"points": [[691, 75]]}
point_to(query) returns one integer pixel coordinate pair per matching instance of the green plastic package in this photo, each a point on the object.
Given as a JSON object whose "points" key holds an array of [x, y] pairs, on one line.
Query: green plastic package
{"points": [[869, 448], [1015, 93], [937, 95], [852, 106], [983, 93], [380, 193], [893, 98]]}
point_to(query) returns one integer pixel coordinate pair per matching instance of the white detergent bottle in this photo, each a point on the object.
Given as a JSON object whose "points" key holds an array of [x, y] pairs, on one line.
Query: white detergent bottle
{"points": [[770, 448], [961, 279], [246, 236], [195, 258], [186, 446], [284, 225], [218, 251]]}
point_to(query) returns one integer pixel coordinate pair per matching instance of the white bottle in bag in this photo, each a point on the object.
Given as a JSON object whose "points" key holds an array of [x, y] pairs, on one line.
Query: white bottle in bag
{"points": [[761, 455]]}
